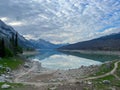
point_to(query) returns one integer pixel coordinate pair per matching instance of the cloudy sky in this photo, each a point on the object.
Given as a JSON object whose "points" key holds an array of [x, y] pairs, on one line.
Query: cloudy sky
{"points": [[62, 21]]}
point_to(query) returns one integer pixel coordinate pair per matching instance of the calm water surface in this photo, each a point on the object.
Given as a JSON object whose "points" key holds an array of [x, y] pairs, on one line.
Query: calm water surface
{"points": [[69, 60]]}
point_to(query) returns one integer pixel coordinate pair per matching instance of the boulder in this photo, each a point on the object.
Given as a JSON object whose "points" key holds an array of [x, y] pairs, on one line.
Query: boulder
{"points": [[2, 79], [89, 83], [26, 65], [106, 82], [8, 69], [5, 86]]}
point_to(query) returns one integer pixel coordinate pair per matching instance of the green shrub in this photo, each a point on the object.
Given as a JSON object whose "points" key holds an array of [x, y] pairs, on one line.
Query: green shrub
{"points": [[8, 52]]}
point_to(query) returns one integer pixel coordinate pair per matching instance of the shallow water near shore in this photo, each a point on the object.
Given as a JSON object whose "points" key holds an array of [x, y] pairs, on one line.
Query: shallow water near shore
{"points": [[64, 60]]}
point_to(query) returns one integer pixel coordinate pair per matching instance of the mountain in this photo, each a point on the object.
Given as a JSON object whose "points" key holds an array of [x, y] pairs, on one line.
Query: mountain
{"points": [[42, 44], [109, 42], [6, 32]]}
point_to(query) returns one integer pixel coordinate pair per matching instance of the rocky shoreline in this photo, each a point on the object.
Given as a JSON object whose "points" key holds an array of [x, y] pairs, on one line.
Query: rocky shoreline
{"points": [[32, 73]]}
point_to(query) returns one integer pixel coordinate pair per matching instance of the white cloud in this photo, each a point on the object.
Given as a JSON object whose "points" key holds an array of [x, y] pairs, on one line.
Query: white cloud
{"points": [[4, 19], [29, 36], [62, 21], [16, 23]]}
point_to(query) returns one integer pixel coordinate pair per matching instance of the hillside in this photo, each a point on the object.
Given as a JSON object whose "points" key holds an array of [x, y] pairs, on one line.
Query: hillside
{"points": [[6, 32], [11, 42], [109, 42]]}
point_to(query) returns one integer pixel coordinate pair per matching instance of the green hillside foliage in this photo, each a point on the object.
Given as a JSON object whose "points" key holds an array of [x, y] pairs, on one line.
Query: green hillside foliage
{"points": [[10, 48]]}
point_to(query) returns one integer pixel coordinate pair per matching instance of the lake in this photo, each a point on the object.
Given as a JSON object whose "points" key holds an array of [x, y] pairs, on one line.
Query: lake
{"points": [[64, 60]]}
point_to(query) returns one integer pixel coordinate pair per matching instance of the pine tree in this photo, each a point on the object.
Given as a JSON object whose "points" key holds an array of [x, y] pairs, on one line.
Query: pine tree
{"points": [[2, 48], [13, 39], [16, 40]]}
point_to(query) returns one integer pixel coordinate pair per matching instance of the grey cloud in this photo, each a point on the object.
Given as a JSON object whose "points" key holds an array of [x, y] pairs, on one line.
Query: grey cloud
{"points": [[58, 20]]}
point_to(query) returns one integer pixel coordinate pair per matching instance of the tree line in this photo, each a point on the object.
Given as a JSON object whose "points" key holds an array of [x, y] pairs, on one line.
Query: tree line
{"points": [[10, 48]]}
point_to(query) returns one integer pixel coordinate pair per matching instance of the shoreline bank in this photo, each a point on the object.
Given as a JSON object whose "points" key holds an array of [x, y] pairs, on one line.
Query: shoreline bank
{"points": [[94, 52], [32, 73]]}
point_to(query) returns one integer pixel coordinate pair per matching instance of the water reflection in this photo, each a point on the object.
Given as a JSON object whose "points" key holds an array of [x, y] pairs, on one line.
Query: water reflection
{"points": [[96, 57], [68, 60]]}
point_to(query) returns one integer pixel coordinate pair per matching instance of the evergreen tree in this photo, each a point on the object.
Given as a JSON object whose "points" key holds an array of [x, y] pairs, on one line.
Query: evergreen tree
{"points": [[13, 39], [16, 40], [2, 48]]}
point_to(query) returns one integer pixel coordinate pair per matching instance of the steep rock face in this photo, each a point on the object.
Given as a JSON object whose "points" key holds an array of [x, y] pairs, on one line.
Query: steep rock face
{"points": [[110, 42], [6, 32]]}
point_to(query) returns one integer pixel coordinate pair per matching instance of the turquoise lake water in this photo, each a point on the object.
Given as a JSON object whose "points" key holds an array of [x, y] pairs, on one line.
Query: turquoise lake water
{"points": [[70, 60]]}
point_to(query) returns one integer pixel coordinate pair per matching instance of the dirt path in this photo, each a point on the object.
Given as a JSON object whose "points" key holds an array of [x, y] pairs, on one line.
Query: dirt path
{"points": [[25, 73], [104, 75]]}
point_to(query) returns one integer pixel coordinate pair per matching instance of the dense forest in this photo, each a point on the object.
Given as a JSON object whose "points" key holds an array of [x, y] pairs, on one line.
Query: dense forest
{"points": [[11, 47]]}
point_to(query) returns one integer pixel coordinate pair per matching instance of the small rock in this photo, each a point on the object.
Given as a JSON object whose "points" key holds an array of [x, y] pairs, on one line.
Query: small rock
{"points": [[26, 65], [7, 77], [1, 66], [60, 79], [106, 81], [8, 80], [5, 86], [77, 82], [53, 88], [89, 83], [53, 80], [2, 79], [8, 69]]}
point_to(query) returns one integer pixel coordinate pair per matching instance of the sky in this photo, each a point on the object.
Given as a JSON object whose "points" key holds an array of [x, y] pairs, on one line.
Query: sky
{"points": [[62, 21]]}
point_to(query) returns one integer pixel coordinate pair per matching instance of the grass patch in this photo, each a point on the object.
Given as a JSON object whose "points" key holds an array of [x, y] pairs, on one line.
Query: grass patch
{"points": [[104, 68], [99, 85], [12, 62], [13, 85], [118, 70]]}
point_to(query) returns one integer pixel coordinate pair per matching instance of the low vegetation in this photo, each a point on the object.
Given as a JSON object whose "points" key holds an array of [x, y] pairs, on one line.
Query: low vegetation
{"points": [[104, 68], [118, 70], [11, 62], [99, 85], [13, 85]]}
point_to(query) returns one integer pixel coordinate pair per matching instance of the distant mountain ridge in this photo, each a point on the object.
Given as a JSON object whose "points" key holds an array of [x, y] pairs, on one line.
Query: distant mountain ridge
{"points": [[109, 42], [7, 31], [42, 44]]}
